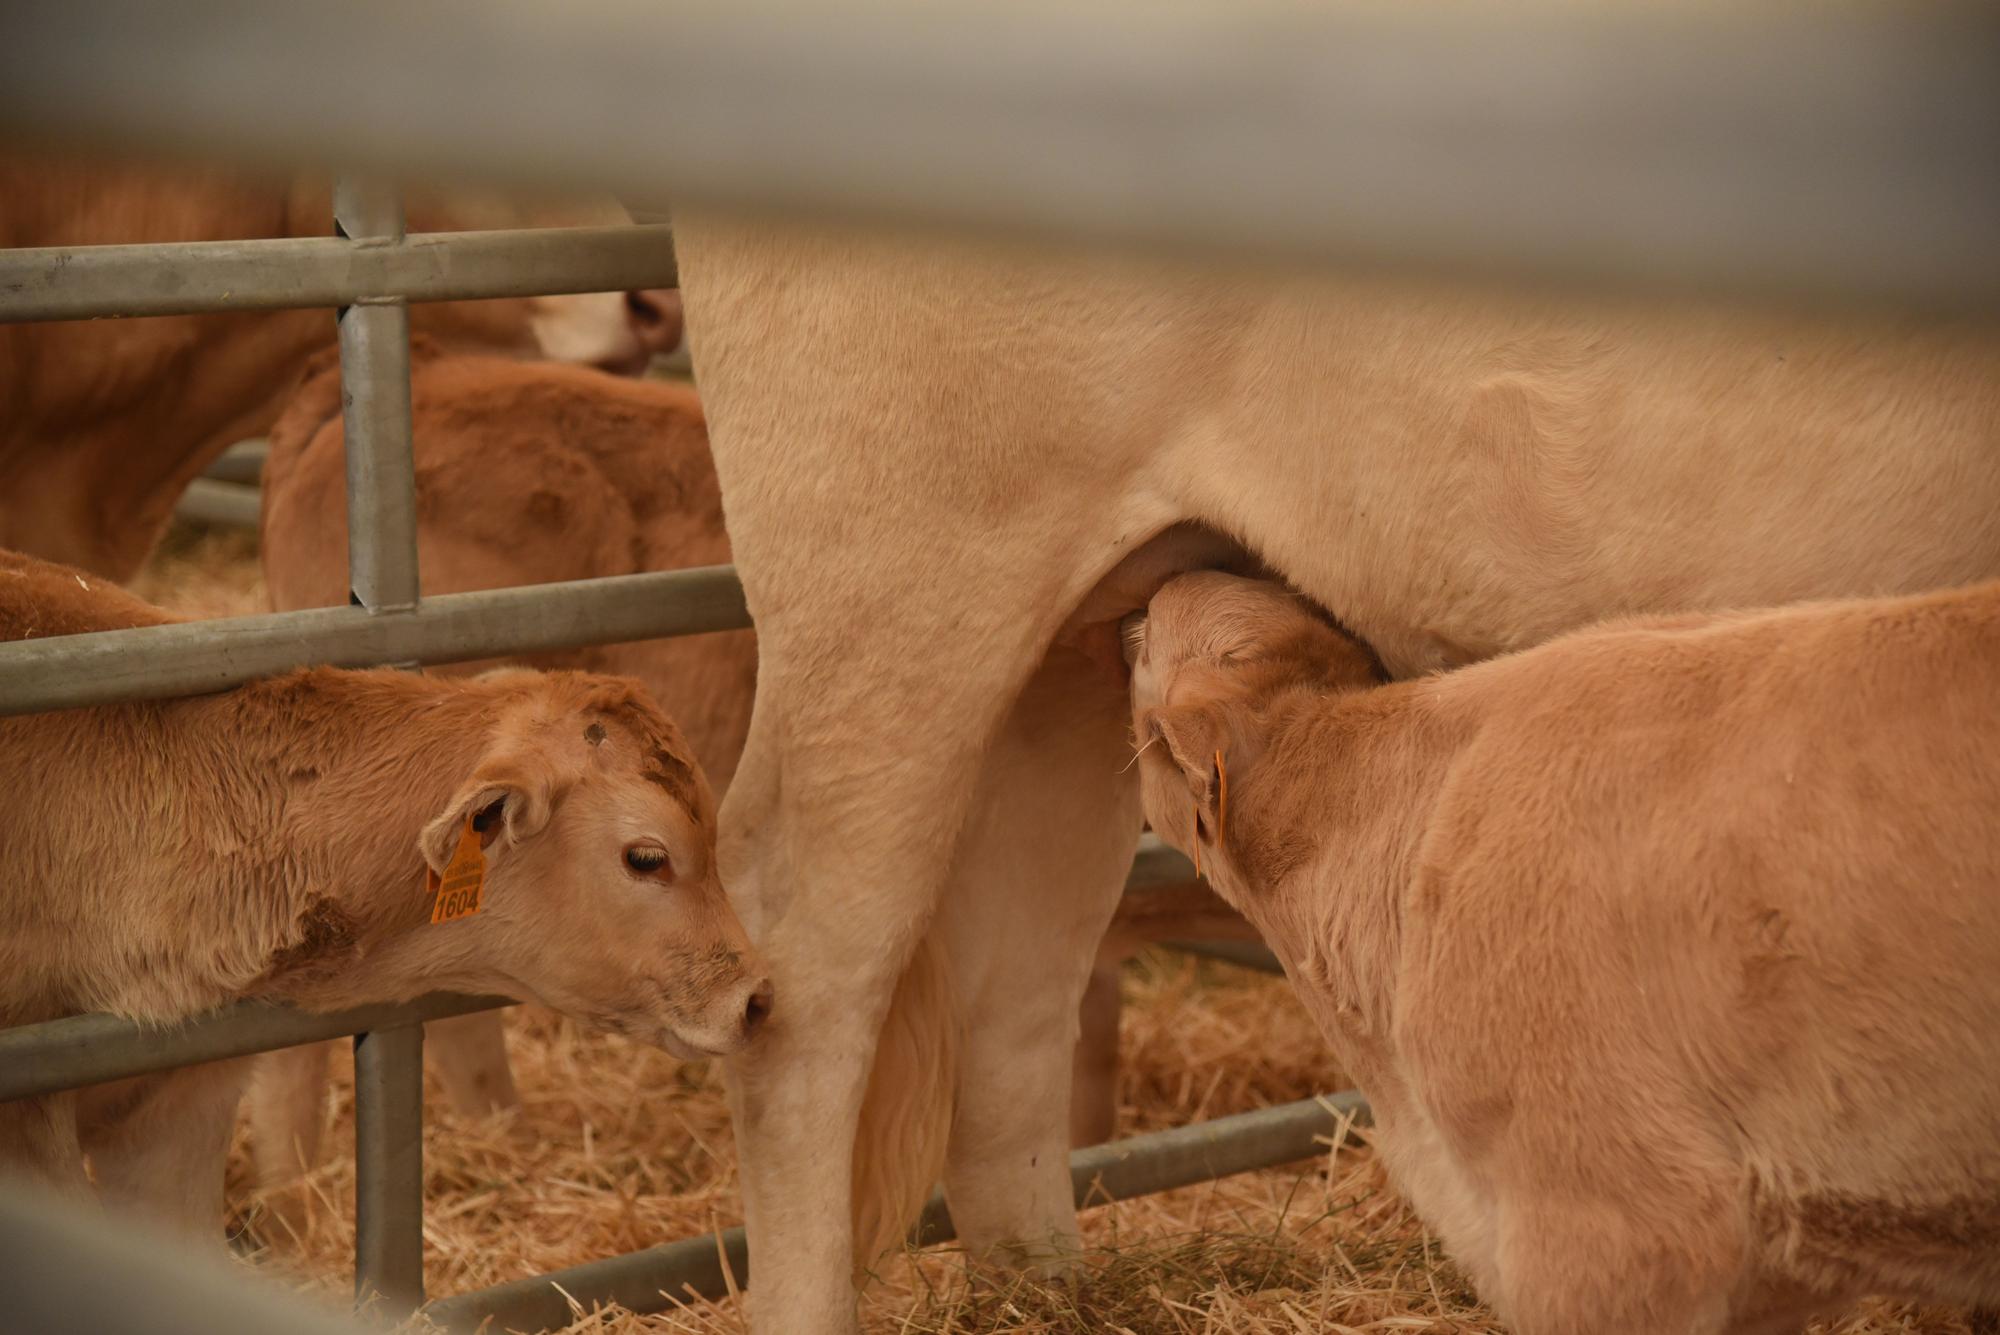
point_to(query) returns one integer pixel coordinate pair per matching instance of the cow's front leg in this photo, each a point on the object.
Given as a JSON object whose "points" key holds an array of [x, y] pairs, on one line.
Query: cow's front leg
{"points": [[1038, 875], [837, 871], [858, 793]]}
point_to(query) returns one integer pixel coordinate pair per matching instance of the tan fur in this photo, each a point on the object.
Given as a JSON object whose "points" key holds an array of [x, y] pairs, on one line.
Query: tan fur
{"points": [[103, 423], [163, 858], [1461, 472], [1667, 953], [529, 473]]}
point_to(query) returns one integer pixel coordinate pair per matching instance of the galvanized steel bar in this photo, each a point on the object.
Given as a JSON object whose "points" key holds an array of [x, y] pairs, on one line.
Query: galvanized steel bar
{"points": [[91, 282], [84, 1050], [190, 658], [1243, 954], [375, 406], [241, 463], [389, 1166], [382, 578], [90, 1049], [214, 502], [1157, 863], [1844, 150], [1139, 1166]]}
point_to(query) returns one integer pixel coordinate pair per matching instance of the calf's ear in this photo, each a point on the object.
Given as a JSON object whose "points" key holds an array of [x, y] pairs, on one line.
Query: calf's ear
{"points": [[1198, 740], [506, 804]]}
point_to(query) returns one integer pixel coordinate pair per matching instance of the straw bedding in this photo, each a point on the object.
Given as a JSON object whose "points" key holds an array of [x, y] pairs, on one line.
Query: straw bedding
{"points": [[618, 1147]]}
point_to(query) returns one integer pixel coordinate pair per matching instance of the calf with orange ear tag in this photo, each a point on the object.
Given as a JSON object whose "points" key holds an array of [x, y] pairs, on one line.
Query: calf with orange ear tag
{"points": [[575, 867], [1219, 649], [333, 839]]}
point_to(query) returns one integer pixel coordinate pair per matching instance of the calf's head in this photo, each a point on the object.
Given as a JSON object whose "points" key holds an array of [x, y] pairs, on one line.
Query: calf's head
{"points": [[620, 332], [595, 839], [1209, 656]]}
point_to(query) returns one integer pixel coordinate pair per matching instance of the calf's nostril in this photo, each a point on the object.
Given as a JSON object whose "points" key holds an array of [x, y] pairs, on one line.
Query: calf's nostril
{"points": [[645, 312], [655, 317], [757, 1008]]}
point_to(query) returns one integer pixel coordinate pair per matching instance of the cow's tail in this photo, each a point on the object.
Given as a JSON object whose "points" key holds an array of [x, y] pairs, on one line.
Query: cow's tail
{"points": [[899, 1148]]}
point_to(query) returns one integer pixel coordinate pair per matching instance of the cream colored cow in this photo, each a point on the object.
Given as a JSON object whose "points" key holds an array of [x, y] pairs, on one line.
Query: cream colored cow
{"points": [[934, 794]]}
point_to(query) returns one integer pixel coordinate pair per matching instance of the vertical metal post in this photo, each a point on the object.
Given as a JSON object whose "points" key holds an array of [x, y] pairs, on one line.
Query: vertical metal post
{"points": [[389, 1167], [382, 575], [375, 401]]}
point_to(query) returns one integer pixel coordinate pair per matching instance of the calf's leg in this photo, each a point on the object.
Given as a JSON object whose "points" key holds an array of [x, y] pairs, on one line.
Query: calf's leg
{"points": [[1658, 1265], [38, 1143], [287, 1111], [469, 1054], [164, 1153]]}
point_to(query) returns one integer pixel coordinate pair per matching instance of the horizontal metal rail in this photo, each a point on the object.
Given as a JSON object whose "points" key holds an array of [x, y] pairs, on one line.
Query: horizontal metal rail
{"points": [[89, 282], [214, 502], [89, 1049], [194, 657], [241, 463], [1243, 954], [659, 1277], [55, 1055], [1844, 150]]}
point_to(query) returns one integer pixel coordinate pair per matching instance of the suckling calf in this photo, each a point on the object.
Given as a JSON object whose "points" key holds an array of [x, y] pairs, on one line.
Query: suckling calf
{"points": [[1668, 953]]}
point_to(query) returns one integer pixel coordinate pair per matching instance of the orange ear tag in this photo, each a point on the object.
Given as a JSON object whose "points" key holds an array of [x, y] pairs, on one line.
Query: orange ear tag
{"points": [[458, 890], [1221, 812], [1221, 801]]}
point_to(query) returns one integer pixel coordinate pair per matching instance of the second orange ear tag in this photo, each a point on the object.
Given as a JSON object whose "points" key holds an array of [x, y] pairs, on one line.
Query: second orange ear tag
{"points": [[459, 888], [1221, 801]]}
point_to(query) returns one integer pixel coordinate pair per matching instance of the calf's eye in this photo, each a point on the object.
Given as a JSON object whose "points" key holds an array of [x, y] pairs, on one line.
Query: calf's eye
{"points": [[646, 859]]}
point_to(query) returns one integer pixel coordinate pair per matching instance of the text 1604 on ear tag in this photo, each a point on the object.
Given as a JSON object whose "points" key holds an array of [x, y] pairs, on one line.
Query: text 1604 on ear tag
{"points": [[459, 888]]}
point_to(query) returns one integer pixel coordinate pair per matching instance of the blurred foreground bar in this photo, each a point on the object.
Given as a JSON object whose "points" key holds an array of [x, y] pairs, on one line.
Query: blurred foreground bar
{"points": [[1831, 151]]}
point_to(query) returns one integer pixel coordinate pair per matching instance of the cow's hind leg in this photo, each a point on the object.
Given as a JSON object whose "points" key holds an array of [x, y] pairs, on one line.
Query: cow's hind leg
{"points": [[1093, 1092], [1040, 869]]}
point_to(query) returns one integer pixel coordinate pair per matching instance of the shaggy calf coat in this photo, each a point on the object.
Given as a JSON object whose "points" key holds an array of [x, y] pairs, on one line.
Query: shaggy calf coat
{"points": [[1668, 954], [305, 839]]}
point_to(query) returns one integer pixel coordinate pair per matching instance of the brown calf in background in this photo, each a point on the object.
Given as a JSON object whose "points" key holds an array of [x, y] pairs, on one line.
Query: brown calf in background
{"points": [[103, 423]]}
